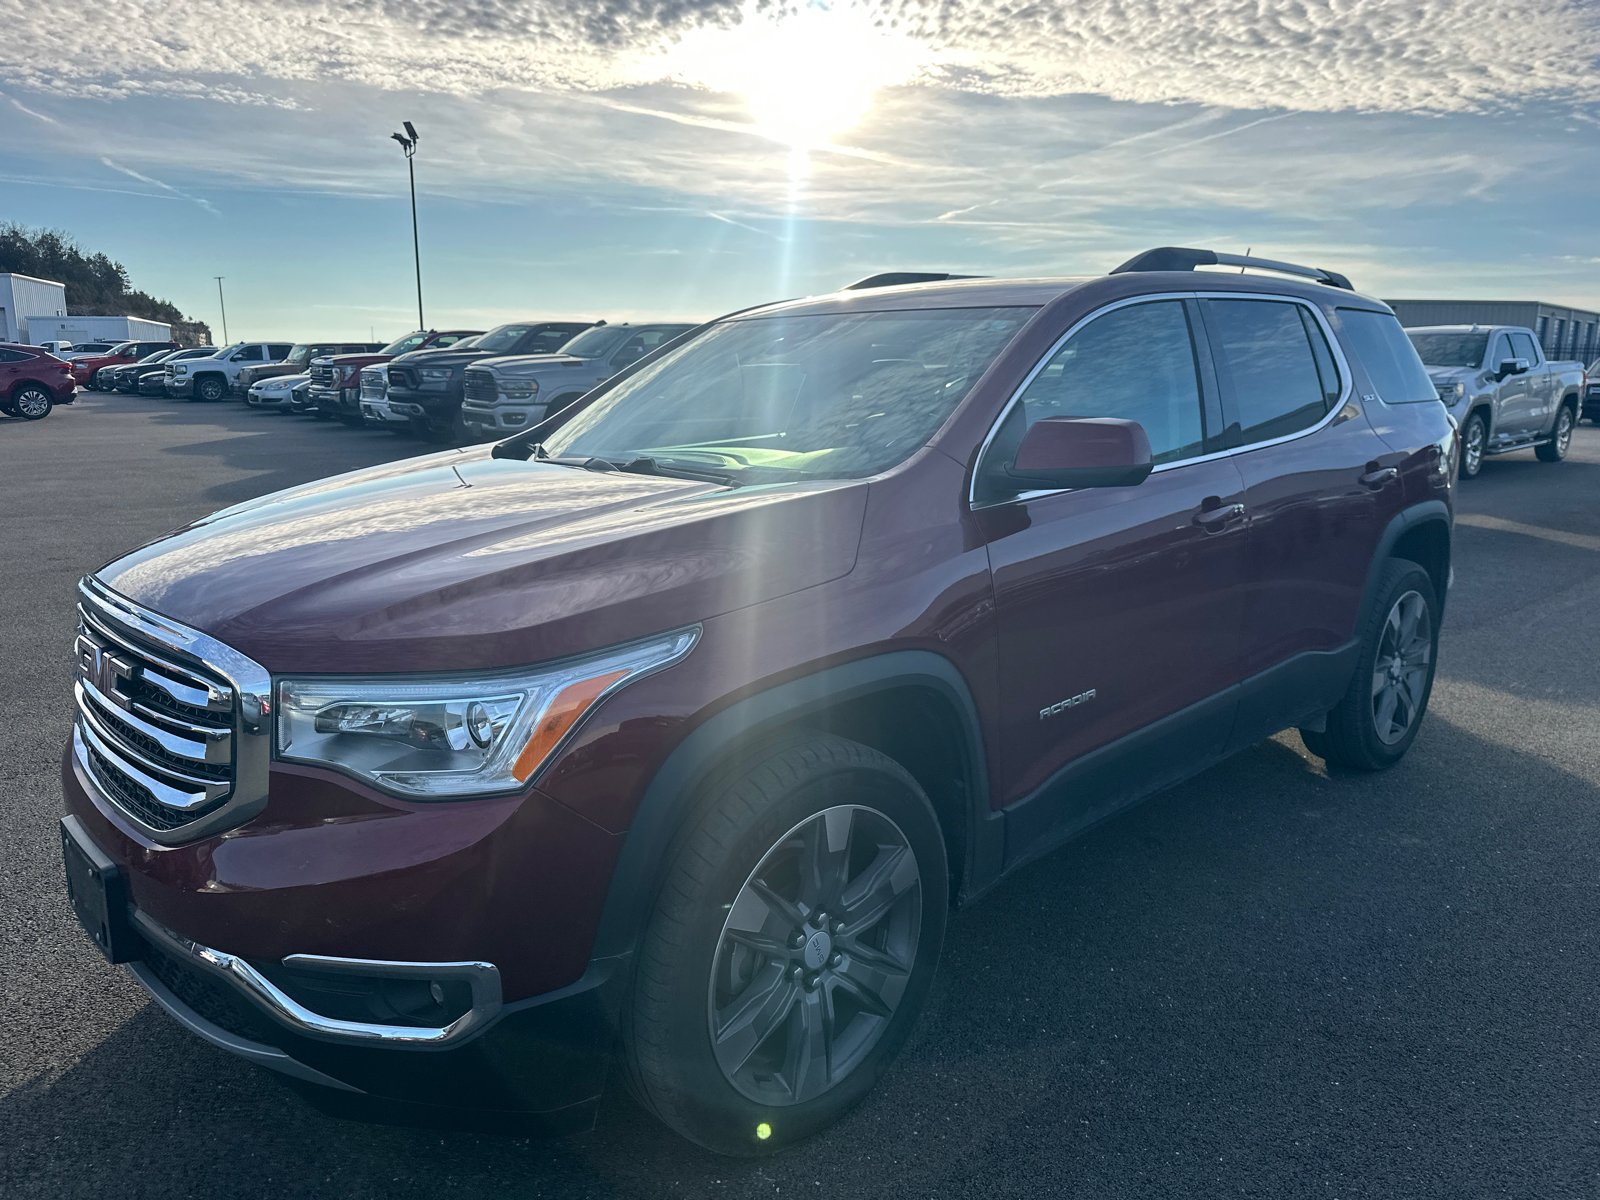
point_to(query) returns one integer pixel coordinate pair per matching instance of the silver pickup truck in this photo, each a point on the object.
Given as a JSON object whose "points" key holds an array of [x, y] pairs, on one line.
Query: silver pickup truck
{"points": [[1502, 391]]}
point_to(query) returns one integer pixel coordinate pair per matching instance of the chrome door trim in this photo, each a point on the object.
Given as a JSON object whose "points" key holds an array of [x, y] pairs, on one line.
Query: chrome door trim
{"points": [[1341, 362]]}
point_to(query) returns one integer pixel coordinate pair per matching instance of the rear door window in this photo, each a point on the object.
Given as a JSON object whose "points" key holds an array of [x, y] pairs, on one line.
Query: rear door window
{"points": [[1277, 372], [1394, 369], [1524, 347]]}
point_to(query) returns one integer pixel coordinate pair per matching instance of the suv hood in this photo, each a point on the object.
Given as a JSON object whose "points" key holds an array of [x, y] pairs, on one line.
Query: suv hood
{"points": [[448, 357], [521, 365], [460, 560]]}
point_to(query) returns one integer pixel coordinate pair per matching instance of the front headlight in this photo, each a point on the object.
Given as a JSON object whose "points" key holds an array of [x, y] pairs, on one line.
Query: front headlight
{"points": [[180, 370], [439, 736], [436, 373], [519, 389]]}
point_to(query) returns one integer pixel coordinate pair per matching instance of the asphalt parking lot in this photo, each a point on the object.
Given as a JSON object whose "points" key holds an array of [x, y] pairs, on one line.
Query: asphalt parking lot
{"points": [[1272, 981]]}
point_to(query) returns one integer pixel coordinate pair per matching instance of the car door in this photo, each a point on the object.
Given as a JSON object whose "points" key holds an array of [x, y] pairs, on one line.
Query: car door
{"points": [[1535, 399], [1320, 485], [1118, 610]]}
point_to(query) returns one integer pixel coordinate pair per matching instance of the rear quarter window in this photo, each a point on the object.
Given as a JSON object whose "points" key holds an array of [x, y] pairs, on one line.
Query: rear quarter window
{"points": [[1393, 366]]}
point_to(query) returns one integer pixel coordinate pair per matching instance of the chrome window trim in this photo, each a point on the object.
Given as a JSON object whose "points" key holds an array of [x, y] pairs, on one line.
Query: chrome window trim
{"points": [[251, 685], [482, 977], [1346, 387]]}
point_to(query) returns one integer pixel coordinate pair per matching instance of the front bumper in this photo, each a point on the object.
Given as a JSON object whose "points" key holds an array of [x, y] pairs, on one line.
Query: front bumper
{"points": [[502, 418], [218, 921], [180, 385], [379, 412], [336, 399]]}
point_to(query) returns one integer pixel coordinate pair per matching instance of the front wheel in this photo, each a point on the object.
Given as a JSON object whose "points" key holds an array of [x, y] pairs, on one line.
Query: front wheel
{"points": [[1474, 437], [1560, 438], [31, 403], [209, 390], [792, 944], [1376, 722]]}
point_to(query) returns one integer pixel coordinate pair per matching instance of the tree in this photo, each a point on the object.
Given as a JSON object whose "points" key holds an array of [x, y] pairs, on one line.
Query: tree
{"points": [[95, 284]]}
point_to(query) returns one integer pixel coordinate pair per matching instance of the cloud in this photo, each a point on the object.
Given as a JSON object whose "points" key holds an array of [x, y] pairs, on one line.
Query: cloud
{"points": [[166, 187], [1434, 56]]}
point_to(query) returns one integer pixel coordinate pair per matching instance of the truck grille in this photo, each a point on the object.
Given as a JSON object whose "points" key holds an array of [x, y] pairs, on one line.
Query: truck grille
{"points": [[158, 728], [324, 375], [373, 386], [481, 386]]}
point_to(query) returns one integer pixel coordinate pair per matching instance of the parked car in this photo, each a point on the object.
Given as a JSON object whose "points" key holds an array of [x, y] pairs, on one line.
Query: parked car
{"points": [[212, 378], [505, 395], [675, 725], [1500, 388], [86, 368], [275, 393], [428, 385], [59, 349], [125, 378], [375, 408], [335, 384], [32, 381], [298, 361], [1591, 391], [85, 349], [152, 379]]}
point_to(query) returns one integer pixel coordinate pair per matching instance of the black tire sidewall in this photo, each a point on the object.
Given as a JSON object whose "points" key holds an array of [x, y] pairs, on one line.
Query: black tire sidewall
{"points": [[710, 1109], [1465, 430], [1402, 576]]}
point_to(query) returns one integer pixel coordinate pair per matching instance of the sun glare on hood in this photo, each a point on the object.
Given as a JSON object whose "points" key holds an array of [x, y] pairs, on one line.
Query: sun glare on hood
{"points": [[805, 75]]}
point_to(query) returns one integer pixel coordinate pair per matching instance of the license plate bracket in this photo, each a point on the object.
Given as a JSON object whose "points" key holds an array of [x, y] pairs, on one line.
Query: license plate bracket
{"points": [[99, 894]]}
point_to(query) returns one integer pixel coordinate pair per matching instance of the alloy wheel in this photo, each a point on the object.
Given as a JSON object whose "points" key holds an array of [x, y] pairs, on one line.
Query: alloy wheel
{"points": [[1400, 671], [1472, 448], [1563, 432], [32, 403], [815, 955]]}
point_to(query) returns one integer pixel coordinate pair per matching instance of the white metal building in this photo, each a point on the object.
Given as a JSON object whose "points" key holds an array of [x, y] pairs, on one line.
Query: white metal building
{"points": [[23, 296], [96, 329]]}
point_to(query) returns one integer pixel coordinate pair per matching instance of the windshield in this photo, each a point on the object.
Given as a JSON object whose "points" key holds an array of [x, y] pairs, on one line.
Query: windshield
{"points": [[1450, 349], [410, 342], [765, 400], [503, 338], [592, 343]]}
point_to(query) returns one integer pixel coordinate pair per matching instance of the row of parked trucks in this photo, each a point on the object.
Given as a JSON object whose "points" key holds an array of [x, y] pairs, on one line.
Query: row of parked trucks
{"points": [[466, 384]]}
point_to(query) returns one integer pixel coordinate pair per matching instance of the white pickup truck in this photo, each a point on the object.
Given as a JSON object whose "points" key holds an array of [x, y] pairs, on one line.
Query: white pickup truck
{"points": [[212, 378], [1502, 391]]}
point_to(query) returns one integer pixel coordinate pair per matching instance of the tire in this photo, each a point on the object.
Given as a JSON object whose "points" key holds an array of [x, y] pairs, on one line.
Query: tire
{"points": [[1474, 439], [1365, 728], [209, 389], [1555, 450], [31, 402], [737, 920]]}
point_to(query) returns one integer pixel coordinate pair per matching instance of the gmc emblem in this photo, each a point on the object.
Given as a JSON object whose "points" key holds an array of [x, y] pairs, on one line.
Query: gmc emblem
{"points": [[100, 669]]}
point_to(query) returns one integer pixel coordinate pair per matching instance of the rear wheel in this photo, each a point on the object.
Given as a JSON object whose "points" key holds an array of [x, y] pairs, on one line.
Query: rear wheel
{"points": [[1474, 437], [1560, 437], [1376, 722], [793, 941], [209, 388], [31, 402]]}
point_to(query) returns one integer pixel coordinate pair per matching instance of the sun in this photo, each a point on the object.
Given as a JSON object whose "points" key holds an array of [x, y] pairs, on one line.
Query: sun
{"points": [[806, 76]]}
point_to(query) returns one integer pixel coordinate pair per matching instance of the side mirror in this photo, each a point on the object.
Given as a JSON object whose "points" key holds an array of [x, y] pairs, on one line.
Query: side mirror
{"points": [[1082, 452], [1513, 366]]}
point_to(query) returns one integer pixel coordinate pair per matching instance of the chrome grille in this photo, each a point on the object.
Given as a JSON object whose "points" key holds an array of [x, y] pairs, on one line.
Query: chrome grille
{"points": [[165, 728], [373, 386], [481, 386], [324, 375]]}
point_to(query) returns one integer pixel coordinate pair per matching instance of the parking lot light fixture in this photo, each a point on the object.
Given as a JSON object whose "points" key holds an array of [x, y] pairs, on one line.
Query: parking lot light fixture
{"points": [[408, 143]]}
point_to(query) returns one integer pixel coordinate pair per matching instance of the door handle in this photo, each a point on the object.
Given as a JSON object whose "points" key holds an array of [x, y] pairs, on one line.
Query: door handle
{"points": [[1213, 519], [1377, 479]]}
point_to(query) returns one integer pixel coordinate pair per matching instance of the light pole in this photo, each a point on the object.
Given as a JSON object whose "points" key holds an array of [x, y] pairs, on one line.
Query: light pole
{"points": [[408, 143], [219, 279]]}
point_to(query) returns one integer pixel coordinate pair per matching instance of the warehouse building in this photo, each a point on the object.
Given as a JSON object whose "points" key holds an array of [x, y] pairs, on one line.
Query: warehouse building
{"points": [[1565, 333], [23, 296]]}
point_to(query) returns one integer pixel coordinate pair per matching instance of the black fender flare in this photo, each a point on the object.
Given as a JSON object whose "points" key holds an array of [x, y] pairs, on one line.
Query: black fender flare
{"points": [[1407, 519], [671, 794]]}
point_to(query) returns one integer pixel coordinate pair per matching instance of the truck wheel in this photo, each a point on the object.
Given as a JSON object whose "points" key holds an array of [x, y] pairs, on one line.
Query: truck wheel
{"points": [[209, 388], [1560, 439], [1376, 722], [31, 402], [1474, 437], [793, 941]]}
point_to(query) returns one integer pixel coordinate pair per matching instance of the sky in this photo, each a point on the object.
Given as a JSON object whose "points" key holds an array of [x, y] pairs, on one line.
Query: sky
{"points": [[675, 159]]}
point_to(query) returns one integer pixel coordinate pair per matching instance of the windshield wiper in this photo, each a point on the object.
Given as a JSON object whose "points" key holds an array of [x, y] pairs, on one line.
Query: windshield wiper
{"points": [[649, 466]]}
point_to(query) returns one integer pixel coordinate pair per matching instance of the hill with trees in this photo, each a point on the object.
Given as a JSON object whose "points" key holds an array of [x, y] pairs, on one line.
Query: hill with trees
{"points": [[96, 285]]}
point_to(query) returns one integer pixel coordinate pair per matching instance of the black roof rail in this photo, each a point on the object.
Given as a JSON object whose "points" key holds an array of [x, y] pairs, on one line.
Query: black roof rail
{"points": [[1181, 258], [896, 278]]}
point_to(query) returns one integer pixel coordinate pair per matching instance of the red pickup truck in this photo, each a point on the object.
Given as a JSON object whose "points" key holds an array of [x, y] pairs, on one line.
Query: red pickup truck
{"points": [[84, 370]]}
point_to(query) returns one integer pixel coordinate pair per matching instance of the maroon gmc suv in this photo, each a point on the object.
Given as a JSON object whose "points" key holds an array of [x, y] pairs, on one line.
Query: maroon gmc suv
{"points": [[668, 733]]}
